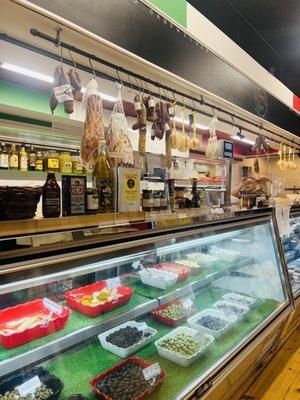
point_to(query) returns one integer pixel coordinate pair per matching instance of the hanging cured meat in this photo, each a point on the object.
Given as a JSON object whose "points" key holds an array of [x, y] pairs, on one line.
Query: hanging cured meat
{"points": [[61, 91]]}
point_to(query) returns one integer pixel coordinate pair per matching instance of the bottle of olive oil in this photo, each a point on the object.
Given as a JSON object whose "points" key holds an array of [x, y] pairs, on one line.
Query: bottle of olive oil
{"points": [[23, 159], [103, 178], [3, 157], [13, 158]]}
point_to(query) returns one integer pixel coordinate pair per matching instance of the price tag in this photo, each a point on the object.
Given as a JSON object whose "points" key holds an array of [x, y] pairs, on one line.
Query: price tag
{"points": [[29, 387], [187, 304], [152, 371], [113, 283], [51, 306], [136, 264]]}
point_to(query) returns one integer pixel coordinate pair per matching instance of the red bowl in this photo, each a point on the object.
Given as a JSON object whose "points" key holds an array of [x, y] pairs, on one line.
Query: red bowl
{"points": [[57, 322], [136, 360], [182, 271], [166, 320], [72, 298]]}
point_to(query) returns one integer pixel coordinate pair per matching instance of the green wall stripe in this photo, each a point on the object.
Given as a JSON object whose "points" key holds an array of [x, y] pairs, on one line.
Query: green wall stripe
{"points": [[25, 120], [176, 9]]}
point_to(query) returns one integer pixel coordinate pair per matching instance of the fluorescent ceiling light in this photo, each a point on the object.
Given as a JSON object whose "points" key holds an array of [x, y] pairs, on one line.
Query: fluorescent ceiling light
{"points": [[45, 78], [243, 140], [186, 122]]}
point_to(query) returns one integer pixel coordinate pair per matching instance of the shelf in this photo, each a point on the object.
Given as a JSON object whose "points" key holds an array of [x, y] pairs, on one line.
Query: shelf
{"points": [[29, 226]]}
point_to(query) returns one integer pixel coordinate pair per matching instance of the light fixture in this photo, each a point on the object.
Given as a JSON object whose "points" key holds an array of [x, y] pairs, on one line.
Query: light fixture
{"points": [[240, 135], [45, 78], [186, 122]]}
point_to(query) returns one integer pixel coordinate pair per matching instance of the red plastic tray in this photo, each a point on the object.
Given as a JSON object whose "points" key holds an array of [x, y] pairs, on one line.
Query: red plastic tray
{"points": [[165, 320], [72, 298], [180, 270], [57, 322], [143, 363]]}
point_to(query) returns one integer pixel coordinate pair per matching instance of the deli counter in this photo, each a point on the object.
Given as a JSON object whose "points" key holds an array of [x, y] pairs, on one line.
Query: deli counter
{"points": [[181, 313]]}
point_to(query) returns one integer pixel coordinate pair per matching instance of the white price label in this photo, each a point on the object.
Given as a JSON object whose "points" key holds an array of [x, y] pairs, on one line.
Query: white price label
{"points": [[51, 306], [29, 387], [63, 93], [152, 371], [113, 283], [136, 264], [187, 304]]}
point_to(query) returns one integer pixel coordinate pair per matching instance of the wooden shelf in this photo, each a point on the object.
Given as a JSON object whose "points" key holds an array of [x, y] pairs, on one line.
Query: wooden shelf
{"points": [[33, 226], [33, 175]]}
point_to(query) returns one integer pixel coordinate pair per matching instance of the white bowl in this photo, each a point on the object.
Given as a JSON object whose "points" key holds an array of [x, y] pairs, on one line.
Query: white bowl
{"points": [[179, 359], [239, 298], [121, 352], [158, 278], [242, 310], [228, 319]]}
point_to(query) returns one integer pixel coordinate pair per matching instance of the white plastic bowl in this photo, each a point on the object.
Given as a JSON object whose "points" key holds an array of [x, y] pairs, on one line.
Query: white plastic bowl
{"points": [[176, 358], [158, 278], [121, 352]]}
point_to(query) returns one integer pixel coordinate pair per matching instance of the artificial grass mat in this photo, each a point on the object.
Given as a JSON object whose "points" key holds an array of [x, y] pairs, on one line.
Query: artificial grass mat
{"points": [[77, 367], [76, 321]]}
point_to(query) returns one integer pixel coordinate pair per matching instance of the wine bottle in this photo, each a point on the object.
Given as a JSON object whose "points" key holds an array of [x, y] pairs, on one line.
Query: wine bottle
{"points": [[51, 197]]}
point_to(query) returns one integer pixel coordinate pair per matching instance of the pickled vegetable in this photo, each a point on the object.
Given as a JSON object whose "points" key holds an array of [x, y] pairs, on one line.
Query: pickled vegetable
{"points": [[41, 393]]}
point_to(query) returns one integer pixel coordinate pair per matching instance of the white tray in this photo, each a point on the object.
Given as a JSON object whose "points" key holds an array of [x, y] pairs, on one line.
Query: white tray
{"points": [[203, 259], [176, 358], [158, 278], [119, 351], [195, 269], [230, 319], [226, 255], [242, 309], [239, 298]]}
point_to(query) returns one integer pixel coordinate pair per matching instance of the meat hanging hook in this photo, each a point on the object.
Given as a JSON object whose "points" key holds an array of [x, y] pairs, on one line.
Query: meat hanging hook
{"points": [[58, 37], [92, 68], [73, 61], [61, 56], [130, 84], [121, 82]]}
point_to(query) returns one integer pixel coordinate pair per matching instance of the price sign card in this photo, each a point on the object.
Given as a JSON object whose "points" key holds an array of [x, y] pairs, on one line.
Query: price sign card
{"points": [[136, 264], [152, 371], [187, 304], [113, 283], [52, 306], [29, 387]]}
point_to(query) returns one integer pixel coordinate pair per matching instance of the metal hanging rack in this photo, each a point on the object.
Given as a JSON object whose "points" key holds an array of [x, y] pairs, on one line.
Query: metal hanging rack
{"points": [[140, 78]]}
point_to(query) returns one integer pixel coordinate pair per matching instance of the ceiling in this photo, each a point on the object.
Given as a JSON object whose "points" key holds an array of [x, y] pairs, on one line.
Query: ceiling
{"points": [[269, 31]]}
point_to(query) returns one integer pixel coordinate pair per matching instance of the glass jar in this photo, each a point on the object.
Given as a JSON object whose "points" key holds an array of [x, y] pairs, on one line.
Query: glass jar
{"points": [[65, 161], [52, 161], [92, 201]]}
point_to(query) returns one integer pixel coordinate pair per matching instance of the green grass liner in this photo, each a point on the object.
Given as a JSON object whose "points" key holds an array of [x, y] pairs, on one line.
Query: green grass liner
{"points": [[76, 368], [76, 321]]}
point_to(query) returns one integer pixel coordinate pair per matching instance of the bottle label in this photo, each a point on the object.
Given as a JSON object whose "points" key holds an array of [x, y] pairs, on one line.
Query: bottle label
{"points": [[53, 163], [137, 106], [147, 203], [92, 201], [151, 103], [77, 196], [66, 167], [14, 161], [105, 194], [4, 160], [32, 160], [39, 165], [24, 163]]}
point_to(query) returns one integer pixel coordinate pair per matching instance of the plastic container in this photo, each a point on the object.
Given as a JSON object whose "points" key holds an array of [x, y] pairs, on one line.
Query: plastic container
{"points": [[239, 299], [235, 308], [158, 278], [228, 319], [168, 321], [73, 299], [179, 359], [226, 255], [203, 259], [49, 380], [143, 363], [194, 267], [180, 270], [122, 352], [31, 308]]}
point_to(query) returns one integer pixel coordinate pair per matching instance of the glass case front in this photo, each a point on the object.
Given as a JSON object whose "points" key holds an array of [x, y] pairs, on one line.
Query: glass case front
{"points": [[291, 246], [146, 319]]}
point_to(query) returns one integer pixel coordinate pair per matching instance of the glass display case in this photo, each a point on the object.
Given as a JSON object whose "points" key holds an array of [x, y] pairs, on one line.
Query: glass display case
{"points": [[291, 246], [144, 314]]}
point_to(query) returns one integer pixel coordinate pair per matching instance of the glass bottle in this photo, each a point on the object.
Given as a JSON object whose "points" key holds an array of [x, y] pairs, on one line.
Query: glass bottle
{"points": [[23, 159], [39, 162], [103, 177], [65, 162], [51, 197], [195, 193], [13, 158], [52, 161], [32, 159], [3, 157]]}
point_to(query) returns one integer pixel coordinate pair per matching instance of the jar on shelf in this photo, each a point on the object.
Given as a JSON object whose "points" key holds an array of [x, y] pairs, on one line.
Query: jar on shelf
{"points": [[77, 167], [92, 200], [52, 161], [65, 162], [39, 162]]}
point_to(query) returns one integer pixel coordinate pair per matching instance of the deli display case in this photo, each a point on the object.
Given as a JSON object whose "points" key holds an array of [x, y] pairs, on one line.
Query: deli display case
{"points": [[156, 314]]}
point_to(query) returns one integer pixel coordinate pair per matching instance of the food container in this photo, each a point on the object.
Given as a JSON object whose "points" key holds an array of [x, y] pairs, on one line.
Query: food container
{"points": [[125, 352], [232, 308], [166, 320], [193, 266], [158, 278], [27, 310], [73, 299], [47, 379], [240, 299], [76, 396], [143, 363], [180, 270], [205, 260], [225, 255], [184, 361], [212, 312]]}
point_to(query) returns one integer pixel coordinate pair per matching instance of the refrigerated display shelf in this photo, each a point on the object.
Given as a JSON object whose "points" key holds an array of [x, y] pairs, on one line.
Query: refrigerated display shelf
{"points": [[78, 328], [77, 367]]}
